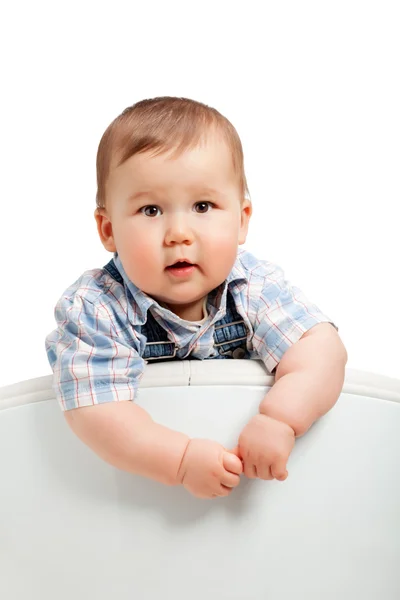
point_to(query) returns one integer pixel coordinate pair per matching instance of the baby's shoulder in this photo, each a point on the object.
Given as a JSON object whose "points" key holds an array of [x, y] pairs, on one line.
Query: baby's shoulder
{"points": [[97, 287], [255, 268]]}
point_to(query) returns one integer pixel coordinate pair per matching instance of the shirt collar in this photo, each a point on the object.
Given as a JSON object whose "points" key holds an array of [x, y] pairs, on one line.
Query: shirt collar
{"points": [[237, 275], [142, 300]]}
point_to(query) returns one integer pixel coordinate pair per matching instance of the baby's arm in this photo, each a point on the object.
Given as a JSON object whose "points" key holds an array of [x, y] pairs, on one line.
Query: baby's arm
{"points": [[308, 379], [308, 382], [124, 435], [121, 432]]}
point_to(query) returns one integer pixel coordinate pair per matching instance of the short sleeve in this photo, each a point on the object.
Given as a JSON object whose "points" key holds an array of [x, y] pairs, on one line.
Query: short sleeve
{"points": [[284, 314], [92, 363]]}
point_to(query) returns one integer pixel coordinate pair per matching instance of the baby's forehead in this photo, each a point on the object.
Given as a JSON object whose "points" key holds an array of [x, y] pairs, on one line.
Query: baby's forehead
{"points": [[209, 137]]}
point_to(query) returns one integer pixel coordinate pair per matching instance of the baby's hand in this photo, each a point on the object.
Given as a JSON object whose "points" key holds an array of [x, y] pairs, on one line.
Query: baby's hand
{"points": [[264, 446], [209, 470]]}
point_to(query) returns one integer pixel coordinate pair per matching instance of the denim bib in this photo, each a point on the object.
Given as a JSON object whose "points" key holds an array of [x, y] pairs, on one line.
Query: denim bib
{"points": [[230, 332]]}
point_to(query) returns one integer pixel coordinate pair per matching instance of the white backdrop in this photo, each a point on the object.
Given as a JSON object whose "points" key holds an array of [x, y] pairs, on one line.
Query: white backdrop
{"points": [[313, 90]]}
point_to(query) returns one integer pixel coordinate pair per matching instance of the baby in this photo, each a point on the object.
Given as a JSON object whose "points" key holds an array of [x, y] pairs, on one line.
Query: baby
{"points": [[173, 207]]}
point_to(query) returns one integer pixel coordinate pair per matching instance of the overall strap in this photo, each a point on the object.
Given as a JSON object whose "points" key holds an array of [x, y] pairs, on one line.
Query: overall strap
{"points": [[113, 271], [230, 333]]}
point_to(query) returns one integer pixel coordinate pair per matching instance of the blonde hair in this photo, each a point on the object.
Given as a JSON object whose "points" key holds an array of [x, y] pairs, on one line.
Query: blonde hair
{"points": [[162, 124]]}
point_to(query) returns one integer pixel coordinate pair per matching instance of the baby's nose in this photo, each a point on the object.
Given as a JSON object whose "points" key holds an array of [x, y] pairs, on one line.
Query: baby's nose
{"points": [[179, 230]]}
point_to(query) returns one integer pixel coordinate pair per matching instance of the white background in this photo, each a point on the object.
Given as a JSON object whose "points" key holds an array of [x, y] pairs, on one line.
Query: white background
{"points": [[313, 90]]}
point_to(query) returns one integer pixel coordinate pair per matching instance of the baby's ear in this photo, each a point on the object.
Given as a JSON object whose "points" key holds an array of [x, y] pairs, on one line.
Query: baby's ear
{"points": [[246, 212], [104, 228]]}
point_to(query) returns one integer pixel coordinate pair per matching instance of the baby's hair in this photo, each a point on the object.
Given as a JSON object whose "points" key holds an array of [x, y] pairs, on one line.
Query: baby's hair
{"points": [[162, 124]]}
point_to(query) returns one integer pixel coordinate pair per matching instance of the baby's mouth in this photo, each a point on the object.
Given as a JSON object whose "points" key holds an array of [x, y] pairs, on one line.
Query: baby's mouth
{"points": [[180, 265]]}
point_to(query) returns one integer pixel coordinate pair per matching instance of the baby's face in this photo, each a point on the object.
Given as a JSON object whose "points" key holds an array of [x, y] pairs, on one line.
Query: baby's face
{"points": [[162, 210]]}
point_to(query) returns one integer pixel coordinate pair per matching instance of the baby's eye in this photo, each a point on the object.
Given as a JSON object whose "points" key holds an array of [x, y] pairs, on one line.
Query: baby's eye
{"points": [[150, 206], [204, 204]]}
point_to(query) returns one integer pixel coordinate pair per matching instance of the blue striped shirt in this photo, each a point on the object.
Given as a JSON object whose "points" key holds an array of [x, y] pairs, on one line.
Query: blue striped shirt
{"points": [[96, 351]]}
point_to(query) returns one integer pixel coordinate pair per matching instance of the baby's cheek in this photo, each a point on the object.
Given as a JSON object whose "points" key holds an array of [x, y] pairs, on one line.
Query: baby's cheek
{"points": [[140, 244], [225, 246]]}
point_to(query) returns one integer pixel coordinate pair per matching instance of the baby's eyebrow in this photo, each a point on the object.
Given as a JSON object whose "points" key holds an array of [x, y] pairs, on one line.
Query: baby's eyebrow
{"points": [[211, 191], [207, 191], [137, 196], [200, 191]]}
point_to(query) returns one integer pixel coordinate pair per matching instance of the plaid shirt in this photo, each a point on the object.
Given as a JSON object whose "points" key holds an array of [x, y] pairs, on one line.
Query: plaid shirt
{"points": [[96, 351]]}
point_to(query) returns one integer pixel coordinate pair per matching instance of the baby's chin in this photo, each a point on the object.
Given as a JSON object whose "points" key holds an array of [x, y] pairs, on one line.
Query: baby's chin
{"points": [[181, 303]]}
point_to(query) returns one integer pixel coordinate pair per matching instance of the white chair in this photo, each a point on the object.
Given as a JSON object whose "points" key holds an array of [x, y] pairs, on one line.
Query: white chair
{"points": [[73, 527]]}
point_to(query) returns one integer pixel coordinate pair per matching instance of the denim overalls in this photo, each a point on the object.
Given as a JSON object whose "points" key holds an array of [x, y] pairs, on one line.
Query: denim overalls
{"points": [[230, 333]]}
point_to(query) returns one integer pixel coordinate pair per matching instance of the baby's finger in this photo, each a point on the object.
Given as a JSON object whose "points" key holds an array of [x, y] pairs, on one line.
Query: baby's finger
{"points": [[278, 470], [224, 490], [236, 452], [250, 470], [230, 480], [264, 472], [232, 463]]}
